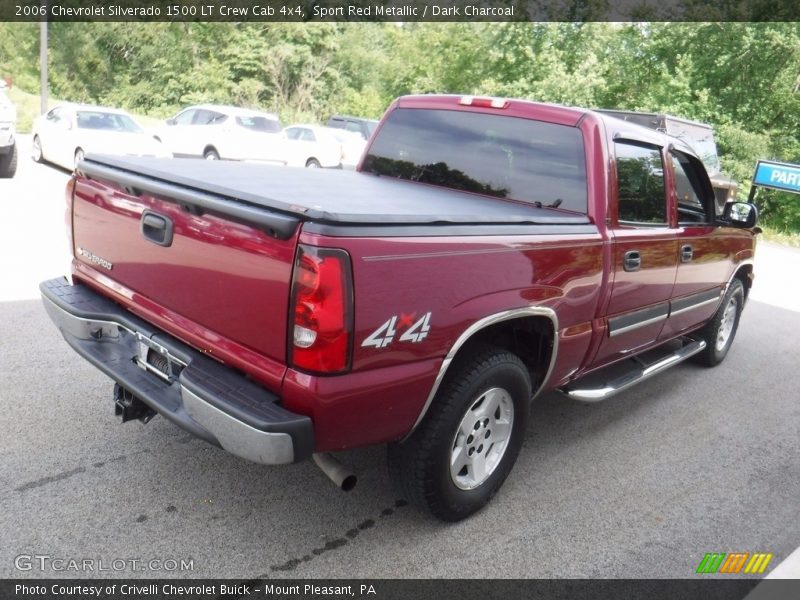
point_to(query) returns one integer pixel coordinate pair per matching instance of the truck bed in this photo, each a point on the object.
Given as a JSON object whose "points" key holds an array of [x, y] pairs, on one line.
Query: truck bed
{"points": [[320, 195]]}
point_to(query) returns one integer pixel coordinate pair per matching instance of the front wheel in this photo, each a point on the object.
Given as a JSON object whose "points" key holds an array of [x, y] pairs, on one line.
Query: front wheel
{"points": [[211, 154], [79, 155], [36, 150], [464, 449], [313, 163], [719, 332]]}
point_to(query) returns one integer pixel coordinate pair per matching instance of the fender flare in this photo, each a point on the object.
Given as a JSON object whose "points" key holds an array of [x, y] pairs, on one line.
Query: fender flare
{"points": [[469, 332]]}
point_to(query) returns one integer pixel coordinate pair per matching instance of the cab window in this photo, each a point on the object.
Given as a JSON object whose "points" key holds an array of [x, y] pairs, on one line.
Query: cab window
{"points": [[640, 185], [691, 207]]}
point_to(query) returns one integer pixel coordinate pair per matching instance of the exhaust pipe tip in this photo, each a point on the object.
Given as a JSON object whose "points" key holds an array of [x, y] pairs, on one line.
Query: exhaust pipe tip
{"points": [[340, 475]]}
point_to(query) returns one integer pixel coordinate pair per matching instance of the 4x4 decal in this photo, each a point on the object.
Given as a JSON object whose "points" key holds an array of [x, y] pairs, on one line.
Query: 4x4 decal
{"points": [[415, 332]]}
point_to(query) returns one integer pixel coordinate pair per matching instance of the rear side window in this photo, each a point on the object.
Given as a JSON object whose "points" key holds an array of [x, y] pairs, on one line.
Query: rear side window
{"points": [[640, 185], [490, 154], [259, 124]]}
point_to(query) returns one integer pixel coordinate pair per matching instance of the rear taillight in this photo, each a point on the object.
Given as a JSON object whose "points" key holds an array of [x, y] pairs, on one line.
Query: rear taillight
{"points": [[321, 315]]}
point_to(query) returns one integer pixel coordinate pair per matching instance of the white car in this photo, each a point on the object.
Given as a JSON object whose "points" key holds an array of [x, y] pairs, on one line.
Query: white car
{"points": [[353, 146], [224, 132], [66, 133], [8, 145], [312, 146]]}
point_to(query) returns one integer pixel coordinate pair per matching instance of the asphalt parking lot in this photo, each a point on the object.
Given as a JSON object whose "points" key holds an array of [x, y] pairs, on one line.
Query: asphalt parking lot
{"points": [[694, 461]]}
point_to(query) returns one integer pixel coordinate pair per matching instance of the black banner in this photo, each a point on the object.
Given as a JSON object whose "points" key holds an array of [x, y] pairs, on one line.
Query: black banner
{"points": [[399, 10], [700, 588]]}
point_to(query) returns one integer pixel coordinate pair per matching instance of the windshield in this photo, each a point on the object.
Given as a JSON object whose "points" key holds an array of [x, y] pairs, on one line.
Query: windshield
{"points": [[105, 121], [371, 125], [259, 124], [496, 155]]}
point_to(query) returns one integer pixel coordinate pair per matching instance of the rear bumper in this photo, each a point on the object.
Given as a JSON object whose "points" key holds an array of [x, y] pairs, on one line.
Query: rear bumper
{"points": [[198, 394]]}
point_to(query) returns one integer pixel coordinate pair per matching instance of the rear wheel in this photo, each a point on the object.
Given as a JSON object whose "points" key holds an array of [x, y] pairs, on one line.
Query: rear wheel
{"points": [[79, 154], [719, 332], [8, 163], [465, 447], [211, 154], [313, 163]]}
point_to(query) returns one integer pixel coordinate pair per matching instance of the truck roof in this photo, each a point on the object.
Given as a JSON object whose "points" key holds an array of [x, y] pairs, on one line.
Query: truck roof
{"points": [[555, 113]]}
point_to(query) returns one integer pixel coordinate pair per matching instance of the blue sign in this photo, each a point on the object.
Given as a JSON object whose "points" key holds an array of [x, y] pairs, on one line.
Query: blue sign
{"points": [[778, 176]]}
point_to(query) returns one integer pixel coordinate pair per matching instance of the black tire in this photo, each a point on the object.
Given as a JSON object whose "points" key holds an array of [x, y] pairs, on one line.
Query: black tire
{"points": [[313, 163], [36, 152], [713, 333], [211, 154], [79, 154], [8, 163], [420, 466]]}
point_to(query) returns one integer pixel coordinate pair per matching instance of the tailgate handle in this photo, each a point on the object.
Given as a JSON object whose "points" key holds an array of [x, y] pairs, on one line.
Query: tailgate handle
{"points": [[157, 228]]}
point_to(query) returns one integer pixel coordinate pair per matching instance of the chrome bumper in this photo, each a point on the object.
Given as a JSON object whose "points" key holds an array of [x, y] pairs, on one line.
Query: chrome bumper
{"points": [[193, 391]]}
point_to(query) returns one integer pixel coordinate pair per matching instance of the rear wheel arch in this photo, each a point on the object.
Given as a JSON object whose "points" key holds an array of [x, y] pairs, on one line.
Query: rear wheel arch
{"points": [[531, 333]]}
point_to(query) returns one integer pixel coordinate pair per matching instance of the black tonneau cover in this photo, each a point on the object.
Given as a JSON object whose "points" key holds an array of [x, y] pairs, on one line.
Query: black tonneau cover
{"points": [[330, 196]]}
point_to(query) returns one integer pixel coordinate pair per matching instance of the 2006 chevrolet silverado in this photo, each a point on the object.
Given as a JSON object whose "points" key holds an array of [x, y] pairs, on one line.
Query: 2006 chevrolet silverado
{"points": [[485, 250]]}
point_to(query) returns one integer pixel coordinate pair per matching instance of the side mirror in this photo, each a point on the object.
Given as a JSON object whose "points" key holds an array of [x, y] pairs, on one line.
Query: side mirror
{"points": [[741, 214], [170, 121]]}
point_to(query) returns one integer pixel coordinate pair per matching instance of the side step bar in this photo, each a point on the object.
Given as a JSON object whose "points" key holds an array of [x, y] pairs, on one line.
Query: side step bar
{"points": [[631, 378]]}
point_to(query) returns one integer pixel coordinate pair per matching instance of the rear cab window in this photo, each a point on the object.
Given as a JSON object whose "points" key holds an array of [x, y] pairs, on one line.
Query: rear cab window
{"points": [[507, 157]]}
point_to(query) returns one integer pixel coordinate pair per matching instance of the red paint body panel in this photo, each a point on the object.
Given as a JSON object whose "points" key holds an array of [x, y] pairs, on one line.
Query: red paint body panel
{"points": [[223, 287]]}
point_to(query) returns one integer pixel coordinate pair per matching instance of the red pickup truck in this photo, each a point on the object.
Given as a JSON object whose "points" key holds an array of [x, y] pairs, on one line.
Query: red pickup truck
{"points": [[484, 250]]}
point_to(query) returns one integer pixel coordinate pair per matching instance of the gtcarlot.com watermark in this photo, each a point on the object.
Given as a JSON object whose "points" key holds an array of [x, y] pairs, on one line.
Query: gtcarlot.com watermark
{"points": [[60, 564]]}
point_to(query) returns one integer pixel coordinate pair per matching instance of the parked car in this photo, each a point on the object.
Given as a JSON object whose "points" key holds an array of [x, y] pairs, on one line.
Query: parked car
{"points": [[68, 132], [219, 132], [485, 250], [361, 126], [8, 145], [353, 146], [311, 146]]}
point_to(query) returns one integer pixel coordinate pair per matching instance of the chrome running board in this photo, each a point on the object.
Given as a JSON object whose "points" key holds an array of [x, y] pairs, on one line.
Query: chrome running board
{"points": [[638, 374]]}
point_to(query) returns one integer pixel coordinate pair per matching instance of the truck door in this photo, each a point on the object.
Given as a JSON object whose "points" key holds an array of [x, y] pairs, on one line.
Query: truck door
{"points": [[645, 252], [704, 257]]}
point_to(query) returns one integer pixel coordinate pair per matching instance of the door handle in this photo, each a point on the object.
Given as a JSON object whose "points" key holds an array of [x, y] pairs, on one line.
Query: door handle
{"points": [[632, 260], [157, 228], [686, 253]]}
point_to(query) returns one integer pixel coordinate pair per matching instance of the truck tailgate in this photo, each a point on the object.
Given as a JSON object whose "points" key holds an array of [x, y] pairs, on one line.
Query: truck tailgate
{"points": [[203, 269]]}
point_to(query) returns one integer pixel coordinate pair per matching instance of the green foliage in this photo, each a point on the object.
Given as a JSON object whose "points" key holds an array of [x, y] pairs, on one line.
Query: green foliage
{"points": [[744, 78]]}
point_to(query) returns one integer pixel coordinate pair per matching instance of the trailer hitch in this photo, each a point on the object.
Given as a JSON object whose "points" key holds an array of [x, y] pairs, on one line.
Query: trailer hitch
{"points": [[129, 407]]}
